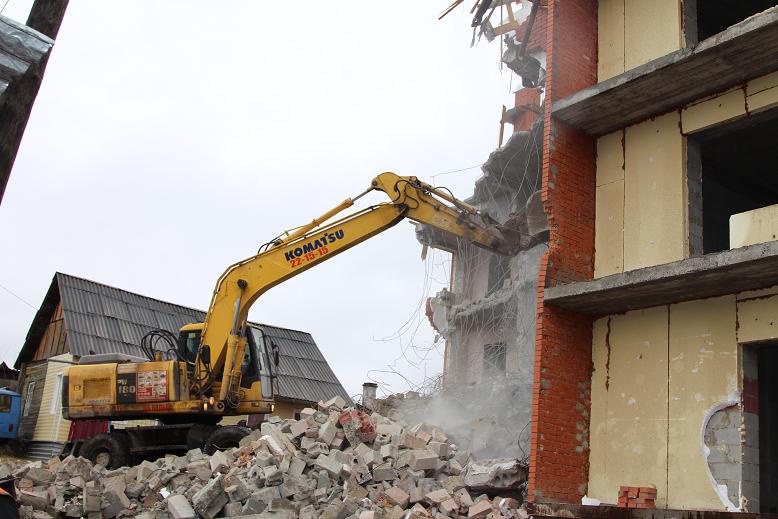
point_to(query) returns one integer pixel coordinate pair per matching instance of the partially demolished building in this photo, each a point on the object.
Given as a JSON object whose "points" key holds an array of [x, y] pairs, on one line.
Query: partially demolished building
{"points": [[642, 312], [487, 314]]}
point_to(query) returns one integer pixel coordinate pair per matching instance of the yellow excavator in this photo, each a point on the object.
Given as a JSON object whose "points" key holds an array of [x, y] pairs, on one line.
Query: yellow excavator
{"points": [[224, 366]]}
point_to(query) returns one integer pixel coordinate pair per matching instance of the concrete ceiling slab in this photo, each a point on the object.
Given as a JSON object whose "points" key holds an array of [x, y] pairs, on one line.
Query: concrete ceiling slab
{"points": [[727, 272], [713, 65]]}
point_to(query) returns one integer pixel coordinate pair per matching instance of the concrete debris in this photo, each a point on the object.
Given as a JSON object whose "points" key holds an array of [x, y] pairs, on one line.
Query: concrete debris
{"points": [[489, 419], [495, 474], [289, 469]]}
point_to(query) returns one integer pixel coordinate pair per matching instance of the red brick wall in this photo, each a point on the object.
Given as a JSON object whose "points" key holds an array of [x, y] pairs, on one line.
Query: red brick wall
{"points": [[537, 38], [528, 108], [559, 445]]}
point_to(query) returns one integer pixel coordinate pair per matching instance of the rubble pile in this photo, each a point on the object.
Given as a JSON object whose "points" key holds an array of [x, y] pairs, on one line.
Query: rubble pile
{"points": [[334, 463], [489, 418]]}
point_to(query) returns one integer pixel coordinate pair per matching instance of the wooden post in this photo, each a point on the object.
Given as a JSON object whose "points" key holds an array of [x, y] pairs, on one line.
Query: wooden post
{"points": [[46, 16]]}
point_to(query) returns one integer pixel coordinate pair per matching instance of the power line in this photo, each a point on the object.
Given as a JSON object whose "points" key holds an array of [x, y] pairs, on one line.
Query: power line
{"points": [[456, 171], [19, 298]]}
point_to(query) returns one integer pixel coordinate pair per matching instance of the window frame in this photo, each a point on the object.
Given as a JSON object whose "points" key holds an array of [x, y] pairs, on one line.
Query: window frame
{"points": [[28, 398]]}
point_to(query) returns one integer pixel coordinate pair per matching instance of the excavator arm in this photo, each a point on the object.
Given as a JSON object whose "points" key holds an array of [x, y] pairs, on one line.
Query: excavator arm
{"points": [[223, 339], [213, 374]]}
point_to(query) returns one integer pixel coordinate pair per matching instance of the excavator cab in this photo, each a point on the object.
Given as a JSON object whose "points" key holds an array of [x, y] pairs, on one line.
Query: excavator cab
{"points": [[259, 363]]}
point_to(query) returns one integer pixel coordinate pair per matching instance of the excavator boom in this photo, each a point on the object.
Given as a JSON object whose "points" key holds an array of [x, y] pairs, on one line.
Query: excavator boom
{"points": [[242, 283]]}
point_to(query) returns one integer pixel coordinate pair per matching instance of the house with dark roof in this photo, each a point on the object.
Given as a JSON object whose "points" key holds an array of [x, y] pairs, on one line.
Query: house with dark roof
{"points": [[81, 317], [9, 377]]}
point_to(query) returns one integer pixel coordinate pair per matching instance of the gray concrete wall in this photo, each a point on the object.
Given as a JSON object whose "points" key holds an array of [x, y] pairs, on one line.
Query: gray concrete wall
{"points": [[478, 311]]}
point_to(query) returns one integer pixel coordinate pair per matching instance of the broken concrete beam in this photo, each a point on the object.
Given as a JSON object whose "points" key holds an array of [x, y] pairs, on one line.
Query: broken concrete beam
{"points": [[495, 474]]}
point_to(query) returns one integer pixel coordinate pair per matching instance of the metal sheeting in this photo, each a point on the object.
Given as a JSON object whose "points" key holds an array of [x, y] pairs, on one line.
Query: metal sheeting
{"points": [[21, 49], [103, 319]]}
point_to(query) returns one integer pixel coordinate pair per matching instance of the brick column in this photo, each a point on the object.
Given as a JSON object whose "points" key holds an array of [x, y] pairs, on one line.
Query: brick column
{"points": [[559, 446], [527, 109]]}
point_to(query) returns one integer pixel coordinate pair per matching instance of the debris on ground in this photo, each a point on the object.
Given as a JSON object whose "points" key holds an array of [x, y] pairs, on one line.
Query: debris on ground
{"points": [[334, 462]]}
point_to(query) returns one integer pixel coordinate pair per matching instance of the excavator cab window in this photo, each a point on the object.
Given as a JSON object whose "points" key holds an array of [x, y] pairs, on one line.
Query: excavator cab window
{"points": [[249, 366], [188, 344], [260, 344]]}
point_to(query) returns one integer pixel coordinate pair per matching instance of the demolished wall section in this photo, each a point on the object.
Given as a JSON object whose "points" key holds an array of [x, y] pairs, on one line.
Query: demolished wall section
{"points": [[490, 310]]}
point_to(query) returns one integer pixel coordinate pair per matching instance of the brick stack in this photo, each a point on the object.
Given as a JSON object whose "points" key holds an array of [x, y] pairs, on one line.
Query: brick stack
{"points": [[637, 497]]}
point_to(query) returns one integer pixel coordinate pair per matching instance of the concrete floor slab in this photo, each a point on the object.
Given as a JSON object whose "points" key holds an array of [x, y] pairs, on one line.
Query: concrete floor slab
{"points": [[727, 272], [714, 65]]}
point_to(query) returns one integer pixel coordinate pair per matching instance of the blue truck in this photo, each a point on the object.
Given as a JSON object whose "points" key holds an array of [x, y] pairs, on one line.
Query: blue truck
{"points": [[10, 411]]}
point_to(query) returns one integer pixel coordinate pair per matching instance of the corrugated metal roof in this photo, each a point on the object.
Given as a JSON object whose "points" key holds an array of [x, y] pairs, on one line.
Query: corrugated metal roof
{"points": [[103, 319], [302, 369]]}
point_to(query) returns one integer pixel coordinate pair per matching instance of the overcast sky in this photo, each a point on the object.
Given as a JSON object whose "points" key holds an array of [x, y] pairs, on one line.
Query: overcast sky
{"points": [[171, 138]]}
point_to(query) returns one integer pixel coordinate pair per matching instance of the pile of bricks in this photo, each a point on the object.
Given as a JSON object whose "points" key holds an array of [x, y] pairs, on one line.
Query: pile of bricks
{"points": [[333, 463], [637, 497]]}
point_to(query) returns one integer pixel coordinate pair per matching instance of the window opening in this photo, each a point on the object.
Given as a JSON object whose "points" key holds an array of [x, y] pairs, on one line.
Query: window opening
{"points": [[768, 429], [499, 271], [55, 398], [714, 16], [494, 359], [731, 169]]}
